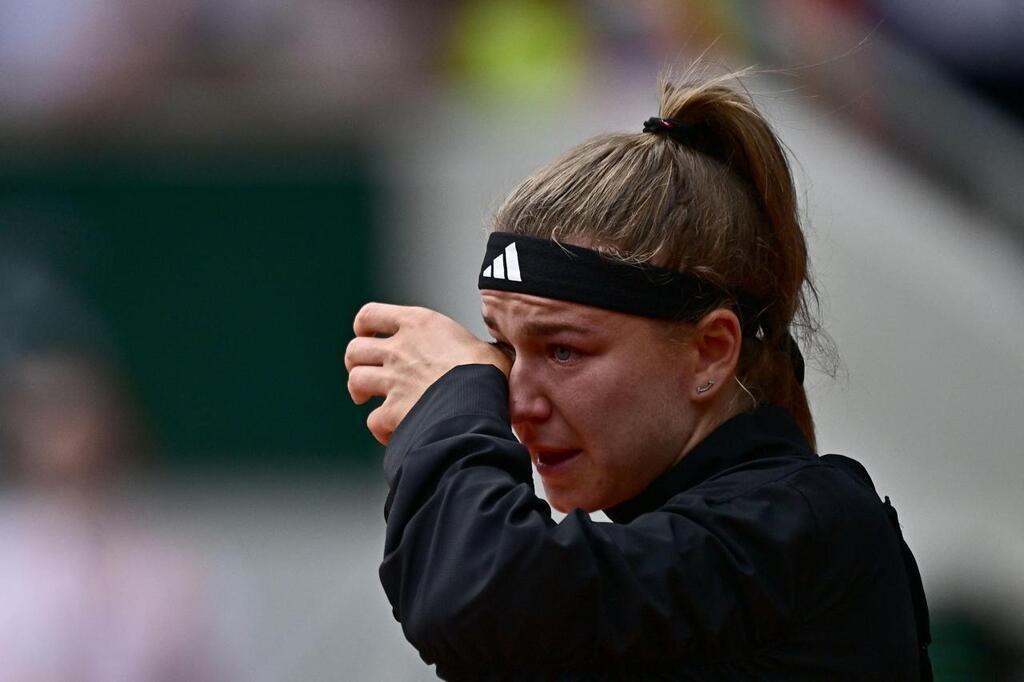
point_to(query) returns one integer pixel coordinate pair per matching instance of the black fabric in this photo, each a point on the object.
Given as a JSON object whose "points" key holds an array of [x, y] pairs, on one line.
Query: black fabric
{"points": [[752, 559], [924, 633]]}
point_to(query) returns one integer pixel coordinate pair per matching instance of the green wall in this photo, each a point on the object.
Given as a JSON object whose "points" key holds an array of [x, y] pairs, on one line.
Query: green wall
{"points": [[229, 284]]}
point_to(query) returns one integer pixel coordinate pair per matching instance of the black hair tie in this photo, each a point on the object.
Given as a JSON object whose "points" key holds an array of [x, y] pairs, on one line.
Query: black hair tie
{"points": [[680, 131], [700, 137], [657, 125]]}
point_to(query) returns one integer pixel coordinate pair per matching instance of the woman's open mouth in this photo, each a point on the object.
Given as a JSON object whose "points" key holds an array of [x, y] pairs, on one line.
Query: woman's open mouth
{"points": [[552, 461]]}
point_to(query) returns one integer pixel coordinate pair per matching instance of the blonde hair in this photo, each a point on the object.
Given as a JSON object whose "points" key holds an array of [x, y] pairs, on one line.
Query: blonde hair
{"points": [[723, 209]]}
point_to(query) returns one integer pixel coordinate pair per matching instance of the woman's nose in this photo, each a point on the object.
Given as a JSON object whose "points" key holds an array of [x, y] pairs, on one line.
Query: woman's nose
{"points": [[527, 401]]}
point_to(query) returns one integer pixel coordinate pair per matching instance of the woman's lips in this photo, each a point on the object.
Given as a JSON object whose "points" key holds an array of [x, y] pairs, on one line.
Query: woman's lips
{"points": [[552, 460]]}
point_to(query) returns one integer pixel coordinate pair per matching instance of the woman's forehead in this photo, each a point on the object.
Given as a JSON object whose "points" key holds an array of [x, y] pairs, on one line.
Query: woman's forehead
{"points": [[505, 311]]}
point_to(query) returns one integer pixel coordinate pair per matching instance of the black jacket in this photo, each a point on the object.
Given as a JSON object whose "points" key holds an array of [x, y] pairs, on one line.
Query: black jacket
{"points": [[753, 558]]}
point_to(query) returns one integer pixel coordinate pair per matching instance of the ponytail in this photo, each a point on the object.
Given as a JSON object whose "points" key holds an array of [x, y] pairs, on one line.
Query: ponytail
{"points": [[739, 138]]}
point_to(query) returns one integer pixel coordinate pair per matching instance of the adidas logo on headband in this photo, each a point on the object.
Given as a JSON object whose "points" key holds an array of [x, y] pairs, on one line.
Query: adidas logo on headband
{"points": [[505, 265]]}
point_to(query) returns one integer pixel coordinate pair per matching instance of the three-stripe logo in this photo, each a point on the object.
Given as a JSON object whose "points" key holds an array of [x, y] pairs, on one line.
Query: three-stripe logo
{"points": [[505, 265]]}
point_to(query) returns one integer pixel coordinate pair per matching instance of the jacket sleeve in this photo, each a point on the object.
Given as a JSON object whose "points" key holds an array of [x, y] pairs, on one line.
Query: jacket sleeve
{"points": [[480, 575]]}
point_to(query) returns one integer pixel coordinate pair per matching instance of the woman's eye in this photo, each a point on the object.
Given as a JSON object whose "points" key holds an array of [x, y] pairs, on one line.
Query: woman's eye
{"points": [[562, 354]]}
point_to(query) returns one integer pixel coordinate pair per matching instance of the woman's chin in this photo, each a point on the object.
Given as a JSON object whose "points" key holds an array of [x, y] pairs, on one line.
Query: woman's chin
{"points": [[565, 501], [560, 506], [559, 499]]}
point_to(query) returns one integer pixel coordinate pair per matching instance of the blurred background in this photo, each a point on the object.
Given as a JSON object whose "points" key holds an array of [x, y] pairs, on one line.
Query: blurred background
{"points": [[197, 195]]}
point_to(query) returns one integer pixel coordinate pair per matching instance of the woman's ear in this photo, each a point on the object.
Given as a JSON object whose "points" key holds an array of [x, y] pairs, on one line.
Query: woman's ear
{"points": [[716, 340]]}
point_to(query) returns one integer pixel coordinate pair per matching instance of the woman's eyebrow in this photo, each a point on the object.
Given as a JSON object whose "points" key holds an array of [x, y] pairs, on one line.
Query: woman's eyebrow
{"points": [[553, 328], [543, 328]]}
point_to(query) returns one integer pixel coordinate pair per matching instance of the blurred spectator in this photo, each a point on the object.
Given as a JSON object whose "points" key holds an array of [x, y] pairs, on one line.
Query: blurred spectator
{"points": [[980, 41], [88, 592], [75, 59], [509, 50], [80, 64], [66, 423]]}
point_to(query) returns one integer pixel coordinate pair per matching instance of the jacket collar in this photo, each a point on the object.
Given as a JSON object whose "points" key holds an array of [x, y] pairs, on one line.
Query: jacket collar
{"points": [[767, 431]]}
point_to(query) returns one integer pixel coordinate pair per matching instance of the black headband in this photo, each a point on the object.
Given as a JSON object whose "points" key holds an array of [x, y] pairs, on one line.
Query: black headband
{"points": [[543, 267]]}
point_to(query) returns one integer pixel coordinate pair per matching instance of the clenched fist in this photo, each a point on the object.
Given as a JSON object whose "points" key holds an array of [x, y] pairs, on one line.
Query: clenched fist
{"points": [[399, 351]]}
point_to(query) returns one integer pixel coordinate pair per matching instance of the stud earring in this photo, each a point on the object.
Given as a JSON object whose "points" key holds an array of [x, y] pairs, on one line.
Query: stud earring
{"points": [[706, 387]]}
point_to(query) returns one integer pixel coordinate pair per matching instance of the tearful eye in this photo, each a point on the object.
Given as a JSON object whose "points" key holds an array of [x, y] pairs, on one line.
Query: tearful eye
{"points": [[561, 354]]}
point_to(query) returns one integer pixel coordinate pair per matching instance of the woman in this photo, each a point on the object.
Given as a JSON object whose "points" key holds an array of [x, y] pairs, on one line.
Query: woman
{"points": [[640, 290]]}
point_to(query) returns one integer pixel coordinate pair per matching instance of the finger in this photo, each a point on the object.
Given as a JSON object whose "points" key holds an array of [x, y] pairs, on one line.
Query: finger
{"points": [[365, 382], [365, 350], [379, 318], [381, 423]]}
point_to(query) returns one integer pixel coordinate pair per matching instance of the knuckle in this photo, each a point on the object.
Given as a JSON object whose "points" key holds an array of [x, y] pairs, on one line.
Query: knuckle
{"points": [[420, 314], [360, 319], [378, 424], [373, 420], [349, 352], [383, 417], [354, 380]]}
